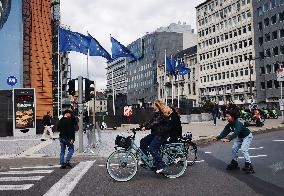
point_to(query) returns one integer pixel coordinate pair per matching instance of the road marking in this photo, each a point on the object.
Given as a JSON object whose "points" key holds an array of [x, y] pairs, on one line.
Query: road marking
{"points": [[207, 152], [200, 161], [16, 179], [16, 140], [28, 172], [66, 184], [35, 167], [254, 156], [101, 165], [15, 187], [36, 148], [254, 148], [278, 140]]}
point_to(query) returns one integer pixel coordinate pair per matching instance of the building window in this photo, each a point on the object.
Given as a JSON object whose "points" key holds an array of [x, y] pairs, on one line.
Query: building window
{"points": [[268, 69], [246, 72], [269, 84], [281, 16], [273, 19], [281, 33], [259, 11], [275, 51], [276, 84], [266, 22], [282, 50], [262, 84], [267, 52], [262, 70], [259, 25], [274, 35], [241, 72], [266, 7], [276, 67], [267, 37], [260, 41]]}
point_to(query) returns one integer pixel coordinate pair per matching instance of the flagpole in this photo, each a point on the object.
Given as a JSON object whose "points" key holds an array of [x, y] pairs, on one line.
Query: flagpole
{"points": [[178, 90], [113, 105], [165, 77], [172, 84], [58, 72], [158, 81]]}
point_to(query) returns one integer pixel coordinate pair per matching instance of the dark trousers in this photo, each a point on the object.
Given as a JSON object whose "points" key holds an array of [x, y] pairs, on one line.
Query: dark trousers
{"points": [[145, 142], [214, 118], [154, 149]]}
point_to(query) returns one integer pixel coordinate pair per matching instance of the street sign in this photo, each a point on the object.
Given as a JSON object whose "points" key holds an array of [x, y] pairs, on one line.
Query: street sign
{"points": [[280, 74], [12, 80]]}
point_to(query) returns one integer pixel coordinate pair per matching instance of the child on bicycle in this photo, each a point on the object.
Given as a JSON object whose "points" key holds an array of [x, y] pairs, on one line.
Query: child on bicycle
{"points": [[160, 128], [243, 140]]}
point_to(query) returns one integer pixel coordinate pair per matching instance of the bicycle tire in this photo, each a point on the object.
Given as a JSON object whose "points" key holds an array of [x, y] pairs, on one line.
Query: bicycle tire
{"points": [[174, 169], [119, 168], [192, 154]]}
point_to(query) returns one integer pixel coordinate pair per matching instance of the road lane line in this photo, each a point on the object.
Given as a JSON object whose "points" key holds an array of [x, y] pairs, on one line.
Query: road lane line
{"points": [[278, 140], [28, 172], [15, 187], [36, 167], [16, 179], [207, 152], [66, 184], [255, 156], [255, 148], [200, 161]]}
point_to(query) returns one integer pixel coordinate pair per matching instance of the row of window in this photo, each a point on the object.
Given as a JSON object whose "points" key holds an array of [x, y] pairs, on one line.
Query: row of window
{"points": [[269, 84], [221, 14], [142, 83], [225, 75], [271, 36], [227, 62], [272, 20], [269, 6], [227, 87], [226, 49], [275, 51], [231, 22], [221, 38], [268, 69]]}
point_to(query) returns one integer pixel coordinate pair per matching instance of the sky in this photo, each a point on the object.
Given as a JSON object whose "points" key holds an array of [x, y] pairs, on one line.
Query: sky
{"points": [[125, 20]]}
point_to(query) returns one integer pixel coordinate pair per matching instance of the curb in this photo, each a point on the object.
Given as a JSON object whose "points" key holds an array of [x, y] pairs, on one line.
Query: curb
{"points": [[206, 141]]}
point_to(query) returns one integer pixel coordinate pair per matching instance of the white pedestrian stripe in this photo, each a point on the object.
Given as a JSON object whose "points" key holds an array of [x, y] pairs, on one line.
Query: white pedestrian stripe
{"points": [[15, 187], [66, 184], [278, 140], [200, 161], [28, 172], [254, 156], [36, 167], [16, 179], [254, 148], [207, 152]]}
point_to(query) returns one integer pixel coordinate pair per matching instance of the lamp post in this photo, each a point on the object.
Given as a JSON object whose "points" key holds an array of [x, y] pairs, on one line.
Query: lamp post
{"points": [[250, 81]]}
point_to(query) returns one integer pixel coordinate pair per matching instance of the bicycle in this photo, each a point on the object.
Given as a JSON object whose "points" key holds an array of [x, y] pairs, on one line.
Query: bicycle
{"points": [[122, 164]]}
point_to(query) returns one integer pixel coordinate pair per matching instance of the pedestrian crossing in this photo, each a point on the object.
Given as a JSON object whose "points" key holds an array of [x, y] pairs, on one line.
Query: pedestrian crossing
{"points": [[23, 178]]}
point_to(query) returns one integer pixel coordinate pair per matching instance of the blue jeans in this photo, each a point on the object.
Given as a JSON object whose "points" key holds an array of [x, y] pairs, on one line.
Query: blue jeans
{"points": [[63, 144], [243, 144], [154, 149], [145, 142]]}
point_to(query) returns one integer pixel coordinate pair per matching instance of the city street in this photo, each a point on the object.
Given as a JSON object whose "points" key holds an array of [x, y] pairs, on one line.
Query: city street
{"points": [[207, 177]]}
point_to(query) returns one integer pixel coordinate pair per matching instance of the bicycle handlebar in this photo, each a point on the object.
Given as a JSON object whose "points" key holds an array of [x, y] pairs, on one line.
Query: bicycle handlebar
{"points": [[134, 130]]}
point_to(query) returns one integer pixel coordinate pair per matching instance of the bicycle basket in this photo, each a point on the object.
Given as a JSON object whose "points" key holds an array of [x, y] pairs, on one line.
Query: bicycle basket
{"points": [[123, 142]]}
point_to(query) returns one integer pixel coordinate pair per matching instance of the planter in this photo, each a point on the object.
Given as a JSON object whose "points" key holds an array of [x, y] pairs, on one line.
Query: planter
{"points": [[195, 118], [185, 119]]}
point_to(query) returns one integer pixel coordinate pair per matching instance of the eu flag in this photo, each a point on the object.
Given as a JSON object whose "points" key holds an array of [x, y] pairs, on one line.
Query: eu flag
{"points": [[170, 66], [73, 41], [95, 49], [119, 50], [182, 69]]}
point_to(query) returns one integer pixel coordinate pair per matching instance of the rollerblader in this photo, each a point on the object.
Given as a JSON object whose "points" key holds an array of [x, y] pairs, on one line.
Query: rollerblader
{"points": [[243, 138]]}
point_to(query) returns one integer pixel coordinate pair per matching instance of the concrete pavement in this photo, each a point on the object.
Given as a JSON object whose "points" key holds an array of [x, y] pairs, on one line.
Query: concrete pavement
{"points": [[32, 147]]}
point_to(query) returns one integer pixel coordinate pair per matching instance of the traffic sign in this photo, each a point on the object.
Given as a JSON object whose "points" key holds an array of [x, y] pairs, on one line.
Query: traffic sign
{"points": [[280, 74], [12, 80]]}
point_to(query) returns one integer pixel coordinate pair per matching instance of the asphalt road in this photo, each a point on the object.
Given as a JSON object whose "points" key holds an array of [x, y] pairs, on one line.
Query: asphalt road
{"points": [[207, 177]]}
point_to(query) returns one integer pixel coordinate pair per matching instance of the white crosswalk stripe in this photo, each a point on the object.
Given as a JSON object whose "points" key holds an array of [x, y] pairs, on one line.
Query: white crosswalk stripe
{"points": [[17, 175]]}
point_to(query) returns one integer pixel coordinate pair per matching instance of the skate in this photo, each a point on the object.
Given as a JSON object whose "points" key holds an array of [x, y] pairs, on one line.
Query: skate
{"points": [[248, 168], [233, 166]]}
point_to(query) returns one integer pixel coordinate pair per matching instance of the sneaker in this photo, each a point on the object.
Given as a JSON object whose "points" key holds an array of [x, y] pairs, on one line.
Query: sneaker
{"points": [[233, 165], [159, 170], [67, 164], [63, 166], [248, 168], [177, 160]]}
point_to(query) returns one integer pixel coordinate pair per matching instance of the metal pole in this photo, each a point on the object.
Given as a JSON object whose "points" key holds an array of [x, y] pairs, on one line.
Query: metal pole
{"points": [[165, 77], [94, 105], [113, 105], [178, 90], [250, 82], [281, 107], [80, 110], [58, 72]]}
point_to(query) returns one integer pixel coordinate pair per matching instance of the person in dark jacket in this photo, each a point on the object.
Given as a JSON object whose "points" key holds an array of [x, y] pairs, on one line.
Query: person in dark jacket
{"points": [[243, 140], [160, 129], [66, 137], [215, 113], [175, 126], [46, 122]]}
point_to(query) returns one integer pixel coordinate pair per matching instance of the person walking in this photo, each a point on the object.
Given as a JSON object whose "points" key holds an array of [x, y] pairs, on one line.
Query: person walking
{"points": [[67, 138], [243, 140], [46, 122], [215, 113]]}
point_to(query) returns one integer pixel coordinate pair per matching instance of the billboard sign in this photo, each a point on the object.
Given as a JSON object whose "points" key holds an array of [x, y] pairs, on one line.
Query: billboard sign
{"points": [[24, 111], [11, 43]]}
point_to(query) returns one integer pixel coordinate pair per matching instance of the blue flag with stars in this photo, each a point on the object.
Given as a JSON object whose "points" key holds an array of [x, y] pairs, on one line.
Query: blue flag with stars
{"points": [[119, 50], [170, 66], [96, 49], [73, 41], [182, 69]]}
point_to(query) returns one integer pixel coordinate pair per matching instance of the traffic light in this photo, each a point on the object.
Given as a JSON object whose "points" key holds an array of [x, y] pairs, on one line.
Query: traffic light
{"points": [[89, 90], [71, 87]]}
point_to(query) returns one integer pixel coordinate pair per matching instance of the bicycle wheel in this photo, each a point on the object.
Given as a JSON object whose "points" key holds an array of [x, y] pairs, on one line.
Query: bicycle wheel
{"points": [[191, 153], [121, 167], [176, 165]]}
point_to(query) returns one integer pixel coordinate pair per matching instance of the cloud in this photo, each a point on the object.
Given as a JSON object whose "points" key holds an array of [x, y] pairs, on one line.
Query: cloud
{"points": [[126, 20]]}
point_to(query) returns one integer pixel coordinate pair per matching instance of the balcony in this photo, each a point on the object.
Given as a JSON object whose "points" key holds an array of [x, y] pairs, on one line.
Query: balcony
{"points": [[239, 90], [228, 91]]}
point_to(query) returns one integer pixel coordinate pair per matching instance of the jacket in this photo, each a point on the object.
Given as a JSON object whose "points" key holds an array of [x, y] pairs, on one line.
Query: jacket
{"points": [[66, 129], [46, 120], [175, 127], [159, 125]]}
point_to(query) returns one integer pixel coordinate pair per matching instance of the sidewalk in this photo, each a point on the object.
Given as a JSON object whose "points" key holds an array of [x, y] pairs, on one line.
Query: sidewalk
{"points": [[17, 147]]}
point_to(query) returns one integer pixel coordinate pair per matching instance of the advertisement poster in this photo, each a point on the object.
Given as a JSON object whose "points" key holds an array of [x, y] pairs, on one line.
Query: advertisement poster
{"points": [[24, 109], [11, 43]]}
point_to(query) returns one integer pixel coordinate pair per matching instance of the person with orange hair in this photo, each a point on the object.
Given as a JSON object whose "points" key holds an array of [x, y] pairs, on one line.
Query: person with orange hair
{"points": [[160, 128]]}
